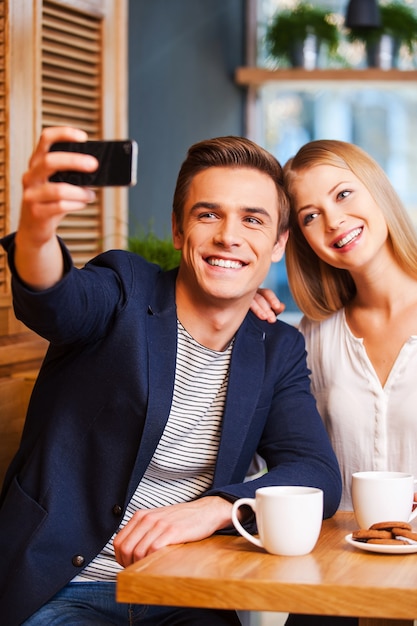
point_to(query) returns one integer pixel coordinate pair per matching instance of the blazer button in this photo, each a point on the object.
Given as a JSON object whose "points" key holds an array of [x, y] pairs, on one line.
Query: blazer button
{"points": [[78, 560], [117, 510]]}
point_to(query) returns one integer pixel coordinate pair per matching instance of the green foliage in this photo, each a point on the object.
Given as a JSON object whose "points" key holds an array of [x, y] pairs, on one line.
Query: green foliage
{"points": [[397, 20], [289, 26], [155, 250]]}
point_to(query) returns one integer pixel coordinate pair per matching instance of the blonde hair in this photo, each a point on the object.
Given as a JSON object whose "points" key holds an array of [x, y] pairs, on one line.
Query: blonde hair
{"points": [[318, 288]]}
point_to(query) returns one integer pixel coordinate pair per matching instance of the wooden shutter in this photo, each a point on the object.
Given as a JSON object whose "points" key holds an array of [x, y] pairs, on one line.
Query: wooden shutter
{"points": [[71, 72], [3, 130]]}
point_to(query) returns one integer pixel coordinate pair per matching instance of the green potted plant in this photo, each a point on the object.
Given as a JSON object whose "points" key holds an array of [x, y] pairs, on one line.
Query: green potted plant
{"points": [[156, 250], [398, 22], [289, 29]]}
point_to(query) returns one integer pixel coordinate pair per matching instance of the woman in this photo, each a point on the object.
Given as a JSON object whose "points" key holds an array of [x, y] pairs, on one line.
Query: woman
{"points": [[352, 269]]}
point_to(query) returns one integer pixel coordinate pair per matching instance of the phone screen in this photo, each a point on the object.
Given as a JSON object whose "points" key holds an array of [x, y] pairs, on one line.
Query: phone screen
{"points": [[117, 163]]}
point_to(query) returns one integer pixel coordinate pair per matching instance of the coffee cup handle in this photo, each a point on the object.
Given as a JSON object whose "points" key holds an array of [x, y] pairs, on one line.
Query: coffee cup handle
{"points": [[251, 502], [414, 513]]}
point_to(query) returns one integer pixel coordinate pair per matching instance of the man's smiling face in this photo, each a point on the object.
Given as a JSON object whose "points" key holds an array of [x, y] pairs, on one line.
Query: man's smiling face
{"points": [[228, 235]]}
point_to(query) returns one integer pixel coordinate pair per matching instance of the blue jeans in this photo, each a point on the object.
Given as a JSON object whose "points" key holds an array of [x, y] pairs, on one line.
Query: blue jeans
{"points": [[88, 604]]}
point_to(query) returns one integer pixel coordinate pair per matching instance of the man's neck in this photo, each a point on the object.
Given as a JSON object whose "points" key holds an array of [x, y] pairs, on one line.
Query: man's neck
{"points": [[213, 326]]}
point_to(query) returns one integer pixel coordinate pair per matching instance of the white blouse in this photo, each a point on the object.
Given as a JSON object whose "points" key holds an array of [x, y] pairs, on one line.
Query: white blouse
{"points": [[371, 427]]}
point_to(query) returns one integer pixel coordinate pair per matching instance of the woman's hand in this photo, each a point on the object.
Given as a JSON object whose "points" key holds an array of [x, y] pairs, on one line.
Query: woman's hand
{"points": [[266, 305]]}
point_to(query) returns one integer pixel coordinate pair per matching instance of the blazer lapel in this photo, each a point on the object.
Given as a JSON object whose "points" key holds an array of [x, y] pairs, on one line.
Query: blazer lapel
{"points": [[162, 349], [246, 374]]}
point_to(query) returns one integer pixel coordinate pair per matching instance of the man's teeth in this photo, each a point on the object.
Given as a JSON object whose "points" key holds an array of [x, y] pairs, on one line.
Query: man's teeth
{"points": [[348, 238], [225, 263]]}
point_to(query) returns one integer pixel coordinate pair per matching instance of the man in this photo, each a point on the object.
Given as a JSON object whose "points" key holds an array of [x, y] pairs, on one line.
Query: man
{"points": [[157, 390]]}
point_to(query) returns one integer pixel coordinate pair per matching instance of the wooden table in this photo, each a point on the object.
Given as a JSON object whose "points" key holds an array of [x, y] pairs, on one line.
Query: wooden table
{"points": [[228, 572]]}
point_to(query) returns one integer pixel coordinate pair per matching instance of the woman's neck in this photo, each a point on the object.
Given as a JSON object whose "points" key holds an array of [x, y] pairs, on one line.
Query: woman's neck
{"points": [[386, 290]]}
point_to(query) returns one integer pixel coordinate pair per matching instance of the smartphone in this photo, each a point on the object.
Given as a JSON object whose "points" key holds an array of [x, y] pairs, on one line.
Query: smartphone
{"points": [[117, 163]]}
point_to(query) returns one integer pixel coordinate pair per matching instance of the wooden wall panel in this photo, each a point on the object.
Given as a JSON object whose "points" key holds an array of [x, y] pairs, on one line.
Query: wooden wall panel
{"points": [[3, 144]]}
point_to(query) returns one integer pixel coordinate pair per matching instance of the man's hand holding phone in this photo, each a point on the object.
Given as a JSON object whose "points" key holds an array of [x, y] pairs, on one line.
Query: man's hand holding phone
{"points": [[38, 255], [64, 155], [117, 163]]}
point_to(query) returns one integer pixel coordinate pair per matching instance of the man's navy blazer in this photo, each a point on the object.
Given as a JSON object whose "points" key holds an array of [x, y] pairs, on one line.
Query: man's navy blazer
{"points": [[99, 407]]}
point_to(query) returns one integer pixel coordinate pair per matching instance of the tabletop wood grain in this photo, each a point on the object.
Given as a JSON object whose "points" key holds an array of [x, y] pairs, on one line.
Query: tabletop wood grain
{"points": [[228, 572]]}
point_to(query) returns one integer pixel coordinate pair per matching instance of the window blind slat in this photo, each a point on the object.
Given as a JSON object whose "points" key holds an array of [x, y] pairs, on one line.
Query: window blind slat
{"points": [[78, 62], [69, 82], [73, 46], [71, 95], [63, 15], [71, 29], [70, 102]]}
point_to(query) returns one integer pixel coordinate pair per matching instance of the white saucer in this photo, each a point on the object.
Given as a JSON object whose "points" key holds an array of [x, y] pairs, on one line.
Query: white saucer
{"points": [[382, 548]]}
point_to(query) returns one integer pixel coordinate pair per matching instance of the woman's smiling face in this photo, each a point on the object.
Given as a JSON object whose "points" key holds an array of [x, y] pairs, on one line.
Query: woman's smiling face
{"points": [[338, 216]]}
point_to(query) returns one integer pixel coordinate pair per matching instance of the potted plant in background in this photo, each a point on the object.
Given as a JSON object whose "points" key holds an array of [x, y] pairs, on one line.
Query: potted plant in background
{"points": [[156, 250], [398, 28], [294, 36]]}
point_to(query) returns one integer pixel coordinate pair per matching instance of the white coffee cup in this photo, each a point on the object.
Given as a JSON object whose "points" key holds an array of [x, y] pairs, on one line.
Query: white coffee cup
{"points": [[288, 518], [382, 496]]}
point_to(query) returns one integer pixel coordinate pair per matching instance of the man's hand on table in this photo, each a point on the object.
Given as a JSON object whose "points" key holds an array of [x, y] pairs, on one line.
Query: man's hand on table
{"points": [[152, 529]]}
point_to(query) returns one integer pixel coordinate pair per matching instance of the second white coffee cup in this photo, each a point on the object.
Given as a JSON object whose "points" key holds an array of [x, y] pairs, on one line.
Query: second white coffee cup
{"points": [[382, 496], [289, 518]]}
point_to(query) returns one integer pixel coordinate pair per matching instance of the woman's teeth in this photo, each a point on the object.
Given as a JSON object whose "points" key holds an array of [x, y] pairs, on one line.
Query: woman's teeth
{"points": [[348, 238]]}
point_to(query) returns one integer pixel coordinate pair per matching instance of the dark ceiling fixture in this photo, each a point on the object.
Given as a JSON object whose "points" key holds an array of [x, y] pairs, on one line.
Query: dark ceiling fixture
{"points": [[362, 14]]}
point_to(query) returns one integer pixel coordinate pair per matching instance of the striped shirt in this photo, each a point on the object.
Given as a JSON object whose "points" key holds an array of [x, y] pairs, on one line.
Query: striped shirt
{"points": [[182, 466]]}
